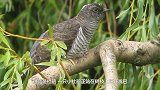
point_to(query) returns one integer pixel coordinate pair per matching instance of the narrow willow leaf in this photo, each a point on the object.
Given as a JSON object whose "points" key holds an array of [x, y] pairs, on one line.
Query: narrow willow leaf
{"points": [[5, 82], [122, 13], [139, 16], [63, 52], [19, 80], [53, 55], [59, 54], [2, 48], [13, 62], [152, 21], [26, 57], [7, 58], [50, 31], [61, 44], [44, 42], [3, 39], [20, 65], [8, 73]]}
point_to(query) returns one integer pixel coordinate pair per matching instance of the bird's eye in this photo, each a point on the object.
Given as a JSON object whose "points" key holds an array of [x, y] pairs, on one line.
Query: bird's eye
{"points": [[95, 10]]}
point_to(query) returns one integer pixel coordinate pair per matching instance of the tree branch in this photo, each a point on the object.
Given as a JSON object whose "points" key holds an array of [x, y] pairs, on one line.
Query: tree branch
{"points": [[110, 52]]}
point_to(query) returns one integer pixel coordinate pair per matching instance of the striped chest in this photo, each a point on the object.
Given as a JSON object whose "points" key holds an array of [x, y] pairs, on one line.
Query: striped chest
{"points": [[81, 43]]}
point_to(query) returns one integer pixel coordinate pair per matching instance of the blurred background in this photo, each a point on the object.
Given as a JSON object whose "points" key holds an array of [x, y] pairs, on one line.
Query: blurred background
{"points": [[137, 20]]}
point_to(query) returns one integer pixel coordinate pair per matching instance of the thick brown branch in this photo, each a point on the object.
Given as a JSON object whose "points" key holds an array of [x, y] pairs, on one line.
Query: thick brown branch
{"points": [[108, 60], [138, 53]]}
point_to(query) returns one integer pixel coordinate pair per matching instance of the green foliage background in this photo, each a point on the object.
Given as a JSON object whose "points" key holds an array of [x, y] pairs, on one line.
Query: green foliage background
{"points": [[137, 20]]}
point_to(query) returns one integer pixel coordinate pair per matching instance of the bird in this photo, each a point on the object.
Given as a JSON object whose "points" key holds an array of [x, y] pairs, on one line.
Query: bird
{"points": [[76, 33]]}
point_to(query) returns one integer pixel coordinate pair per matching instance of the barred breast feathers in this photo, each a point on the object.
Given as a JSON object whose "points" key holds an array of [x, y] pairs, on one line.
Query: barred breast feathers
{"points": [[81, 43]]}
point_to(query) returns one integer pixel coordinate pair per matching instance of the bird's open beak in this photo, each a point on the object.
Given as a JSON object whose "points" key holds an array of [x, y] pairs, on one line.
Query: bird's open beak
{"points": [[106, 10]]}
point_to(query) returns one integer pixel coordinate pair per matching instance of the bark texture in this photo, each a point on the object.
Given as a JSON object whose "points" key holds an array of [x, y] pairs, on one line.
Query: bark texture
{"points": [[108, 52]]}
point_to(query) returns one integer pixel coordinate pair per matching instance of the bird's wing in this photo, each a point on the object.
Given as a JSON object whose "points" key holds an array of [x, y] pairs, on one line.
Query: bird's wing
{"points": [[65, 31]]}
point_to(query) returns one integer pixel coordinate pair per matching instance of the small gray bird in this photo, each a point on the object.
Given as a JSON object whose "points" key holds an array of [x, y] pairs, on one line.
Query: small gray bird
{"points": [[76, 33]]}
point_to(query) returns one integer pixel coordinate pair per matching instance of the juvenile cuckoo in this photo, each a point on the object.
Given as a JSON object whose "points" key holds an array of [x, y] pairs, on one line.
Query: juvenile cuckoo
{"points": [[76, 33]]}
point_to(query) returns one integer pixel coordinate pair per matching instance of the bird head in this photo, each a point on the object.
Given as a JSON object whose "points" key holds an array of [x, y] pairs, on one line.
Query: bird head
{"points": [[93, 11]]}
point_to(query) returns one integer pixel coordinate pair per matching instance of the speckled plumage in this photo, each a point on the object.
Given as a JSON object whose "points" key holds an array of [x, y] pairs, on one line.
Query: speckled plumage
{"points": [[76, 33], [65, 31]]}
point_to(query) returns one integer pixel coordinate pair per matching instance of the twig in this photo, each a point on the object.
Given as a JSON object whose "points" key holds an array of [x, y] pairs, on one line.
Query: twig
{"points": [[65, 71], [19, 36]]}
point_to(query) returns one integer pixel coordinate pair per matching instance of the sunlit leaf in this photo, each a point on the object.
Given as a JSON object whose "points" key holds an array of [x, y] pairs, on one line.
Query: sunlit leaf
{"points": [[8, 73], [20, 65], [26, 57], [3, 39], [5, 82], [61, 44], [122, 13], [2, 47], [59, 54], [19, 80], [50, 31], [2, 57], [13, 62], [62, 51], [53, 55], [7, 58], [44, 42]]}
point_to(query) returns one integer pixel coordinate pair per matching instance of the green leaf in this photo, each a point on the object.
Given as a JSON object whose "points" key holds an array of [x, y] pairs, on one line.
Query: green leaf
{"points": [[61, 44], [8, 73], [26, 57], [3, 48], [2, 58], [20, 65], [139, 16], [19, 80], [53, 55], [3, 39], [5, 82], [122, 13], [63, 52], [153, 26], [59, 54], [7, 58], [50, 31], [50, 45], [13, 62], [44, 42]]}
